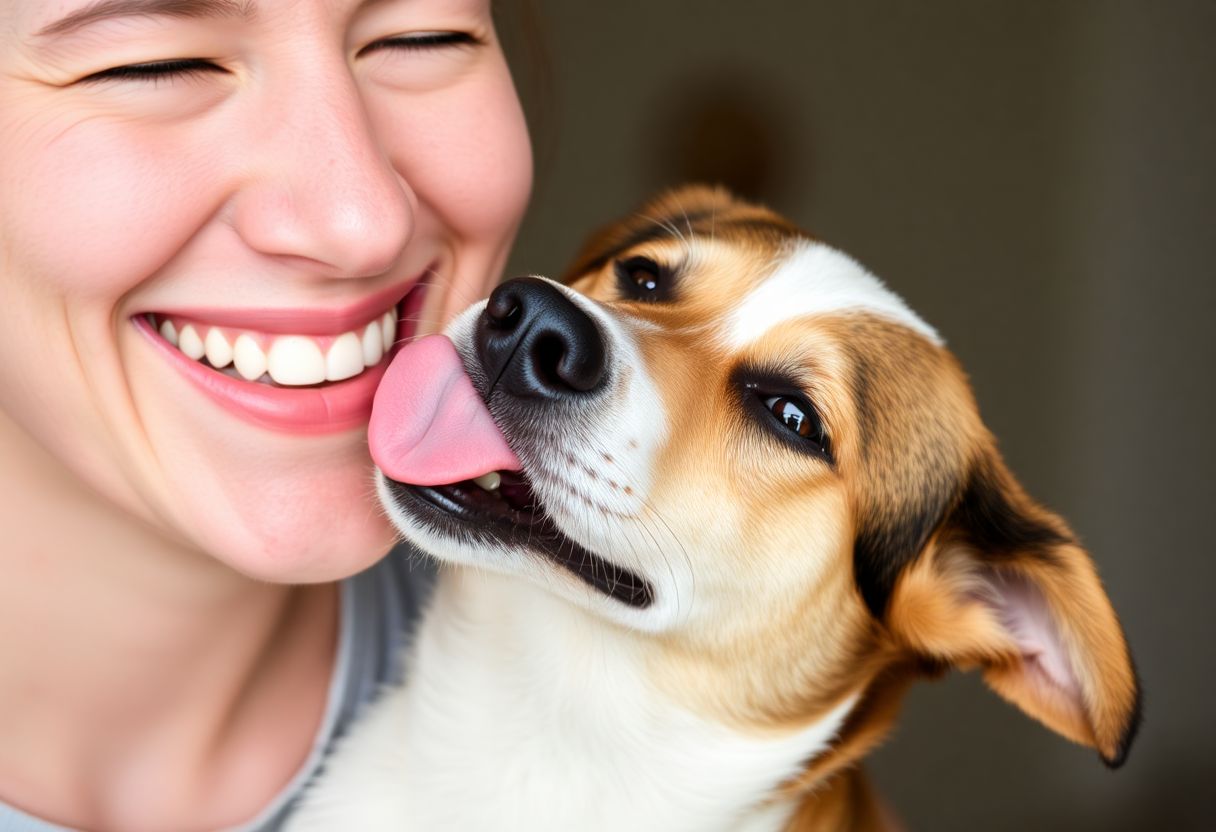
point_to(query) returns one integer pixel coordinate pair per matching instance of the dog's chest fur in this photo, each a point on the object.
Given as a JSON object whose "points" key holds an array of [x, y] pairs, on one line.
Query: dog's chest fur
{"points": [[523, 713]]}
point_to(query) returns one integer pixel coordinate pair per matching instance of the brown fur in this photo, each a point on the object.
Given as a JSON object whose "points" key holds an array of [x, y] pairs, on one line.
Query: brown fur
{"points": [[844, 803]]}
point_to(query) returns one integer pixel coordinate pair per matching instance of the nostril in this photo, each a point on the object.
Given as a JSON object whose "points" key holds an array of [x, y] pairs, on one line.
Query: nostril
{"points": [[548, 356], [504, 308]]}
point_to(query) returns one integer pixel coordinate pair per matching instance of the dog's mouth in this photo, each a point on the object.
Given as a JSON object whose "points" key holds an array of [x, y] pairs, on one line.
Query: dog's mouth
{"points": [[501, 507]]}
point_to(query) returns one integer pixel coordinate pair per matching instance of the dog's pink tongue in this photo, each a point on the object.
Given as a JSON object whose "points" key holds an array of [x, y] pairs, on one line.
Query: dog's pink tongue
{"points": [[428, 425]]}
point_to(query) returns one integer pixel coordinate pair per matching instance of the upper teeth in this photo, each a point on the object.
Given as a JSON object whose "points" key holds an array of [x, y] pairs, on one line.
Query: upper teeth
{"points": [[289, 359]]}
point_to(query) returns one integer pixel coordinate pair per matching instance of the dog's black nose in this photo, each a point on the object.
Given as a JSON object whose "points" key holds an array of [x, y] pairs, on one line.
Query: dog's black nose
{"points": [[534, 342]]}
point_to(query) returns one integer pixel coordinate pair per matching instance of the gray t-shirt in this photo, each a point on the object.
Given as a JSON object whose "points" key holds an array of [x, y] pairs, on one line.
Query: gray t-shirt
{"points": [[378, 608]]}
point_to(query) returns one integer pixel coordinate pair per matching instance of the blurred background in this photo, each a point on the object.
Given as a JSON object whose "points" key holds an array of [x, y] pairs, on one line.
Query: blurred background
{"points": [[1038, 180]]}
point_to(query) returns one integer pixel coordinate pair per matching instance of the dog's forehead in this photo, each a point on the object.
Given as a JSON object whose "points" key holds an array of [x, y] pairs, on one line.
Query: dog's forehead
{"points": [[682, 222], [741, 268], [811, 279]]}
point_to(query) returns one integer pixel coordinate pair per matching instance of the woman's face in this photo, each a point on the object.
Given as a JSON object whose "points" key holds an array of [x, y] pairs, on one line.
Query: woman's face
{"points": [[282, 172]]}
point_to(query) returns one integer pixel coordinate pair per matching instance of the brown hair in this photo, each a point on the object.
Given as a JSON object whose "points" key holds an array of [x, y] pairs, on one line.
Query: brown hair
{"points": [[522, 33]]}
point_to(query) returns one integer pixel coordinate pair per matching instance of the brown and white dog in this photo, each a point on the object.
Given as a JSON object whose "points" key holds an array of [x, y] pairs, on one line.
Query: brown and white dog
{"points": [[755, 500]]}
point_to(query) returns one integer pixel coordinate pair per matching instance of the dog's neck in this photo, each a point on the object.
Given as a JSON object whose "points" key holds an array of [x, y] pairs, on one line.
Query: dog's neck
{"points": [[547, 711]]}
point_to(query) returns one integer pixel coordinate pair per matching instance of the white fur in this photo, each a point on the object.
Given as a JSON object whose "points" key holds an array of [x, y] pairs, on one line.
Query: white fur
{"points": [[816, 279], [634, 413], [525, 713]]}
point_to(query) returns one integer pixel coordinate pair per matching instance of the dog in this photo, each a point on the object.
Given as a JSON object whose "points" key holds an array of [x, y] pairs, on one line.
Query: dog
{"points": [[707, 507]]}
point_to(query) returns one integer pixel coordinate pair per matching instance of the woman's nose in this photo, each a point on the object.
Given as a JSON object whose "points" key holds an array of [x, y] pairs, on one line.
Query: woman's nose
{"points": [[319, 185]]}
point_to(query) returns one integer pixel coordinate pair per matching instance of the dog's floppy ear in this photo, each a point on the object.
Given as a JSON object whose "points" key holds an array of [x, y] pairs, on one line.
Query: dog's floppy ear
{"points": [[1004, 585]]}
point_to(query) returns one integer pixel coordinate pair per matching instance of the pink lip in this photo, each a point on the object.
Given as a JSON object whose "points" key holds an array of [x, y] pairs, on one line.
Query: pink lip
{"points": [[332, 320], [331, 408]]}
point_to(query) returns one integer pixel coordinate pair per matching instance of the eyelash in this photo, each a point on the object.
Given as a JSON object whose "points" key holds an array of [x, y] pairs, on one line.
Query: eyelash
{"points": [[421, 43], [155, 71], [187, 67]]}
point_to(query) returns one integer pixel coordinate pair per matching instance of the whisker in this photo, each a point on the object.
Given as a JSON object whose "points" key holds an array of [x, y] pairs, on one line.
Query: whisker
{"points": [[666, 225], [683, 551], [452, 286]]}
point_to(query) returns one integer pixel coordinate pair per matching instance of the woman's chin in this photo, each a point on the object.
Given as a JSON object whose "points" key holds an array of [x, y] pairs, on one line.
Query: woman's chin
{"points": [[295, 518], [304, 553]]}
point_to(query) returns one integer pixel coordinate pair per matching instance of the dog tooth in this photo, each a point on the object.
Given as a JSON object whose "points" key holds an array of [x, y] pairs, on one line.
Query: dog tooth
{"points": [[490, 481], [219, 351], [373, 344], [248, 357], [345, 358], [388, 327], [169, 332], [296, 360], [190, 344]]}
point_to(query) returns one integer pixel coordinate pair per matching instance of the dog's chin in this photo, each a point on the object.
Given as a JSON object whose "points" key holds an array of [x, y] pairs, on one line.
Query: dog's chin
{"points": [[466, 517]]}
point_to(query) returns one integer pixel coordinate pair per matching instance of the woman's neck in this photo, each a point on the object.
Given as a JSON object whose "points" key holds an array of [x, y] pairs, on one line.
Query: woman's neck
{"points": [[143, 684]]}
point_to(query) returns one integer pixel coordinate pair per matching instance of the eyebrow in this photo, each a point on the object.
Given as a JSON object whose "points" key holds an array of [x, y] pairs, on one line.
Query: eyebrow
{"points": [[107, 9]]}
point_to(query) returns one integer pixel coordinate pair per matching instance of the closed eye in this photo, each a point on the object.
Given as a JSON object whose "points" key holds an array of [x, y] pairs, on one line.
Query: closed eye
{"points": [[186, 67], [156, 70], [421, 42]]}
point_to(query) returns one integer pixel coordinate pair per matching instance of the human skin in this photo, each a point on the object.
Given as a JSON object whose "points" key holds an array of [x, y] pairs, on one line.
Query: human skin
{"points": [[168, 614]]}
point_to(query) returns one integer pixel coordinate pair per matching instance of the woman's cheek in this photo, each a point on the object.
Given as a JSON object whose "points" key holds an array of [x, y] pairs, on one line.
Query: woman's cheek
{"points": [[125, 201], [87, 216], [465, 153]]}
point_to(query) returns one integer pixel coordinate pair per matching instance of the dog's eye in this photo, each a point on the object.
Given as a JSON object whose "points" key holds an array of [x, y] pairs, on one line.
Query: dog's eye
{"points": [[641, 278], [798, 416], [792, 414]]}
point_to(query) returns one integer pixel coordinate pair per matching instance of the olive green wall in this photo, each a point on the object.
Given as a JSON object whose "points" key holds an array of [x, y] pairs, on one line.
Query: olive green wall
{"points": [[1039, 181]]}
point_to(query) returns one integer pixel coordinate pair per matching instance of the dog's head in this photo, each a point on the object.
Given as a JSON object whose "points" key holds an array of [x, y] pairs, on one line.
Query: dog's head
{"points": [[734, 439]]}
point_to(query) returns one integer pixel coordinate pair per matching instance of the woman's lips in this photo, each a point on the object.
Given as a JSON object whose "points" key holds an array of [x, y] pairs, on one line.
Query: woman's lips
{"points": [[332, 321], [287, 361]]}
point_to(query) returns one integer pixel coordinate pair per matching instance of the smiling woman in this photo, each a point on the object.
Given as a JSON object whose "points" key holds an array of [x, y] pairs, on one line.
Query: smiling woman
{"points": [[218, 220]]}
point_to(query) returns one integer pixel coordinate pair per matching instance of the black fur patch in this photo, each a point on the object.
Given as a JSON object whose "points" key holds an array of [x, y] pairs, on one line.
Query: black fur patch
{"points": [[1133, 725], [915, 484], [995, 528], [884, 548], [979, 514]]}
